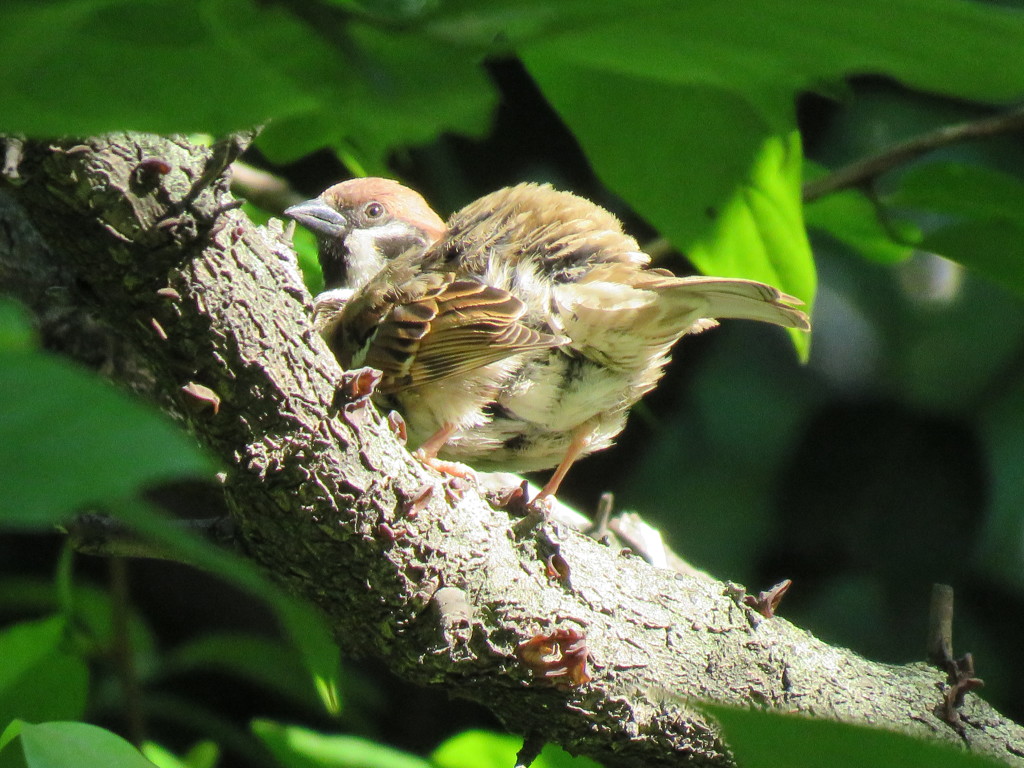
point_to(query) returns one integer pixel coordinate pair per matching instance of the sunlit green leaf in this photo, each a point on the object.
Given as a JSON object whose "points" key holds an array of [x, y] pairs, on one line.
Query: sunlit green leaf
{"points": [[683, 165], [760, 234], [203, 755], [161, 757], [486, 749], [296, 747], [673, 102]]}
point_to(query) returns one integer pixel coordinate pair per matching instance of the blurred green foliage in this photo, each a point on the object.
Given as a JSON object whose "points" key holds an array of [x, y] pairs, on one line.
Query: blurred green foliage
{"points": [[771, 740], [890, 461]]}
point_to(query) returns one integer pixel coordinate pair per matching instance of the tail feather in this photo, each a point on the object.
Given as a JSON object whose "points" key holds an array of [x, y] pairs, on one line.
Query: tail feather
{"points": [[734, 298], [627, 318]]}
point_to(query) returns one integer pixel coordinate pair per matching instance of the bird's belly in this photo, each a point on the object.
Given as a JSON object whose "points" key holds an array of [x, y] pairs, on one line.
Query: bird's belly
{"points": [[536, 417], [559, 393]]}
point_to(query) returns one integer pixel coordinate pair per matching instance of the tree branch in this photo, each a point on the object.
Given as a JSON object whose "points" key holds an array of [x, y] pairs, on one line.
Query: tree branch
{"points": [[323, 498], [866, 170]]}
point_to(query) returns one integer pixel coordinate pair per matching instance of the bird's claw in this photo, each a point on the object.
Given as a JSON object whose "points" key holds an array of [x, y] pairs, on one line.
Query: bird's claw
{"points": [[453, 468]]}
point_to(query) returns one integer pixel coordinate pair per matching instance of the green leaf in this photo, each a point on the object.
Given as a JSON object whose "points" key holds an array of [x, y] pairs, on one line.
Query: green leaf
{"points": [[959, 189], [90, 66], [309, 633], [478, 749], [761, 739], [760, 233], [24, 645], [672, 102], [684, 176], [998, 551], [12, 756], [300, 622], [486, 749], [96, 445], [84, 607], [850, 217], [16, 334], [64, 744], [68, 439], [298, 747], [992, 248], [379, 89], [986, 233], [203, 755], [39, 679], [485, 22], [221, 65], [260, 660], [161, 757], [699, 139]]}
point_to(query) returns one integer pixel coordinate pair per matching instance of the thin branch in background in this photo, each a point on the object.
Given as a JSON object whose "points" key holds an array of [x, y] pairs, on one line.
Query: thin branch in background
{"points": [[105, 536], [122, 653], [261, 188], [940, 626], [866, 170]]}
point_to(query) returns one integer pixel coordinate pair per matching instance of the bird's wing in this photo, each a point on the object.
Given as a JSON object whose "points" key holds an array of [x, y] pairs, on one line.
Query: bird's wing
{"points": [[561, 233], [435, 326]]}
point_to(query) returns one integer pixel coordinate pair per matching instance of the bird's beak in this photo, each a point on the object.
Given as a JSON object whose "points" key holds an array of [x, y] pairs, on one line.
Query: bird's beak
{"points": [[318, 217]]}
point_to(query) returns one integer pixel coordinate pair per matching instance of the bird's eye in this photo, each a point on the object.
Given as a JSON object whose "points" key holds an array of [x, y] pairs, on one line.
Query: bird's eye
{"points": [[373, 210]]}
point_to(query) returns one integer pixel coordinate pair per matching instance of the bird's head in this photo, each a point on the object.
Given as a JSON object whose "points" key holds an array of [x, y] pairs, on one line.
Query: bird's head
{"points": [[362, 223]]}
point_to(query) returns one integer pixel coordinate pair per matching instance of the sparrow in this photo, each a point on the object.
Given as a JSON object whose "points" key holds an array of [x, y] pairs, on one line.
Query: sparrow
{"points": [[517, 335]]}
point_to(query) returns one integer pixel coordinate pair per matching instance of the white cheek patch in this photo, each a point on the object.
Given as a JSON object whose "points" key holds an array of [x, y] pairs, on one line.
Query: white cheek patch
{"points": [[364, 257]]}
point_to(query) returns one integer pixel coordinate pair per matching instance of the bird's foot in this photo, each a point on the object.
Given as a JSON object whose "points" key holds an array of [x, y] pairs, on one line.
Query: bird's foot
{"points": [[515, 499], [453, 468], [541, 505]]}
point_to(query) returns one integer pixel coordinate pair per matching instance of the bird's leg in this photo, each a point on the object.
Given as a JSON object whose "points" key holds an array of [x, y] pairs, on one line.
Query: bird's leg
{"points": [[579, 442], [430, 447], [427, 454]]}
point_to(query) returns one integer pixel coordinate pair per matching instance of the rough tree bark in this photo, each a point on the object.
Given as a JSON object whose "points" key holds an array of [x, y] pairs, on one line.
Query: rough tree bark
{"points": [[141, 238]]}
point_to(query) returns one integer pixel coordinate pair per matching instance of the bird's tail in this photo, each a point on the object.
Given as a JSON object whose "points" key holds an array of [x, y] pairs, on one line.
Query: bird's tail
{"points": [[626, 318], [727, 298]]}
